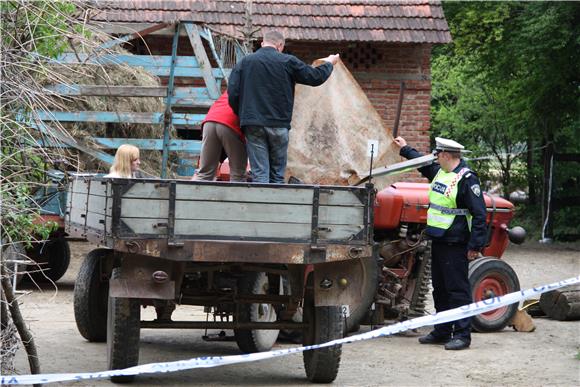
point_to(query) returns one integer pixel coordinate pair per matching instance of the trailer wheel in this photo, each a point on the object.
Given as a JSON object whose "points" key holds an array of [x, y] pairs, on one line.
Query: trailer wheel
{"points": [[255, 340], [325, 323], [91, 295], [490, 277], [123, 329], [52, 258]]}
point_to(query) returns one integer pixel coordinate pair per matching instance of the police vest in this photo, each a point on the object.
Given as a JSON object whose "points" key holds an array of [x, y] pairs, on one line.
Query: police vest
{"points": [[443, 200]]}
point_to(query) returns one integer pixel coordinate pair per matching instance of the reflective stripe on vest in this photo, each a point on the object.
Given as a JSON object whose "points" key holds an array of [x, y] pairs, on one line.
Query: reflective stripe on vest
{"points": [[442, 200]]}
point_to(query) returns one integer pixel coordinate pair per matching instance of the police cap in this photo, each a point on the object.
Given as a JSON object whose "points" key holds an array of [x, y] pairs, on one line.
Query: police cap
{"points": [[446, 145]]}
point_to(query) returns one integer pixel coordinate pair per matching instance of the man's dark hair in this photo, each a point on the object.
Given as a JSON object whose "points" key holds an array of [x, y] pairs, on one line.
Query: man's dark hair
{"points": [[274, 37]]}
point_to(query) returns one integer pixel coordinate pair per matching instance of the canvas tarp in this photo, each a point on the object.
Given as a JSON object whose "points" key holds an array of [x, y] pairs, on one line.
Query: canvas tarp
{"points": [[331, 126]]}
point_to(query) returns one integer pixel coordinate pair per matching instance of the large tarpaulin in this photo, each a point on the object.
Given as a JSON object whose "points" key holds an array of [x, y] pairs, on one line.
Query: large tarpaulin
{"points": [[331, 127]]}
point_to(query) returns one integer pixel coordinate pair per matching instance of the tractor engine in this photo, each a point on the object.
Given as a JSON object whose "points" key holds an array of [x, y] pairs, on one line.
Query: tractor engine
{"points": [[400, 217]]}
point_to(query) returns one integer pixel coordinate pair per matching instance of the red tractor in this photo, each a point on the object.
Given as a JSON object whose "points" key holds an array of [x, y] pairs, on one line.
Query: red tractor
{"points": [[403, 273]]}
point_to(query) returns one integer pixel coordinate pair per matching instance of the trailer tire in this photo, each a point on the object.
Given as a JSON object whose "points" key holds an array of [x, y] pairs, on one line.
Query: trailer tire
{"points": [[91, 294], [490, 277], [123, 330], [255, 340], [325, 323]]}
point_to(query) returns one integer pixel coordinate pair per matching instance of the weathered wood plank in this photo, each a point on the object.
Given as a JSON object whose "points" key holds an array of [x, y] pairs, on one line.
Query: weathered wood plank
{"points": [[183, 96], [126, 117], [242, 194], [251, 193], [244, 212], [144, 208], [186, 66], [190, 146], [258, 230], [107, 91], [202, 59], [145, 226], [147, 190], [260, 212]]}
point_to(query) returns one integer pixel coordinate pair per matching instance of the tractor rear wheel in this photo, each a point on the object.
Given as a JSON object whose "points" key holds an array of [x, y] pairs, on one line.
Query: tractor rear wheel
{"points": [[91, 295], [123, 330], [255, 340], [325, 323], [369, 274], [491, 277]]}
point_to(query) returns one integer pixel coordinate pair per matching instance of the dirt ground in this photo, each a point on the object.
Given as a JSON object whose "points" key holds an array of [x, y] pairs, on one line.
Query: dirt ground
{"points": [[547, 356]]}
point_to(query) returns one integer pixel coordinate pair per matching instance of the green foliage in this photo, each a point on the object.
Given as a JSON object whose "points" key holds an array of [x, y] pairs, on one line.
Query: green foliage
{"points": [[19, 224], [40, 25], [509, 82]]}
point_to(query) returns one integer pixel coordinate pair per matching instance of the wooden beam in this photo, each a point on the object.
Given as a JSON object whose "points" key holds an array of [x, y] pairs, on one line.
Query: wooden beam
{"points": [[134, 35], [55, 134], [108, 91], [186, 66], [183, 96], [124, 117], [188, 146], [203, 60]]}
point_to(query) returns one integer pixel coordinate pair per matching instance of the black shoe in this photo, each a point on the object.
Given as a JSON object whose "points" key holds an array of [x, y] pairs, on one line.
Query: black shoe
{"points": [[432, 339], [457, 344]]}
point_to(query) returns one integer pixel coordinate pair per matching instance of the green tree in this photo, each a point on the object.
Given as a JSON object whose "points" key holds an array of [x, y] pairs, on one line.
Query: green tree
{"points": [[510, 82]]}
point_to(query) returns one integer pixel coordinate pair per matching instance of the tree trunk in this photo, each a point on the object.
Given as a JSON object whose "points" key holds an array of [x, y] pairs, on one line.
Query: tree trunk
{"points": [[25, 335], [531, 178], [562, 304], [548, 197]]}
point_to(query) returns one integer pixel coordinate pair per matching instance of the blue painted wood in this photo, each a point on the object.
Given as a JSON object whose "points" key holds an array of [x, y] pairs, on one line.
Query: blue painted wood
{"points": [[186, 66], [56, 136], [183, 96], [126, 117], [168, 111], [187, 146]]}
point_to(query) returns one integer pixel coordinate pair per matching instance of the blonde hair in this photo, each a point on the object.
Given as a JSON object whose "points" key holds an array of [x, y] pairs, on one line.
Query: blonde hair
{"points": [[125, 155]]}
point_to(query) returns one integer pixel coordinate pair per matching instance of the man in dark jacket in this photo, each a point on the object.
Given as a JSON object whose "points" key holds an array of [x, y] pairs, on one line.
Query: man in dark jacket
{"points": [[456, 225], [261, 93]]}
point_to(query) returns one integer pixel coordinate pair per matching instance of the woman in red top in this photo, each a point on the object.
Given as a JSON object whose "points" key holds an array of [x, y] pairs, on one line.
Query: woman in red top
{"points": [[221, 130]]}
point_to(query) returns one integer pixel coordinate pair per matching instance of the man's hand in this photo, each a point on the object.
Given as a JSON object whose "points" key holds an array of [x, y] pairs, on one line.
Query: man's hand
{"points": [[473, 254], [400, 141], [332, 59]]}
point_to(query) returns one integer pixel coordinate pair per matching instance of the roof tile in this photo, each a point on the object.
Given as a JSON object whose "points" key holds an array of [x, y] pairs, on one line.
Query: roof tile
{"points": [[410, 21]]}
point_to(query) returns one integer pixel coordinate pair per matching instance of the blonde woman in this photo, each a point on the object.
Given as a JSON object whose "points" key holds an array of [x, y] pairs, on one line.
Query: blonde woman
{"points": [[126, 162]]}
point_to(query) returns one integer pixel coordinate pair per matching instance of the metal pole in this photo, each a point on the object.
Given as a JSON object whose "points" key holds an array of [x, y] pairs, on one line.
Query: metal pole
{"points": [[168, 111]]}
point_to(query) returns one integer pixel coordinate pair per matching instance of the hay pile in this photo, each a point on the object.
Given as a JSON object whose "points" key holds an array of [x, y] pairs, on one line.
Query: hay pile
{"points": [[112, 75], [331, 125]]}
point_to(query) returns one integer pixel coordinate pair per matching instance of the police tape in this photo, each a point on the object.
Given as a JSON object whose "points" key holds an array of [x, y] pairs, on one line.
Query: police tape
{"points": [[215, 361]]}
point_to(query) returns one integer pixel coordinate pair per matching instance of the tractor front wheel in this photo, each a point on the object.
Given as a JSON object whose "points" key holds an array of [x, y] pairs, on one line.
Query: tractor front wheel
{"points": [[491, 277]]}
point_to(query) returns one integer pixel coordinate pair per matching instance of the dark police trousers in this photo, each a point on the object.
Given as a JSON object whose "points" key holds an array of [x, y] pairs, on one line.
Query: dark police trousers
{"points": [[449, 273]]}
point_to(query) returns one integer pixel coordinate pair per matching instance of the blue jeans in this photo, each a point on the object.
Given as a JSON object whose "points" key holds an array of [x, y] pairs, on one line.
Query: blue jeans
{"points": [[268, 153]]}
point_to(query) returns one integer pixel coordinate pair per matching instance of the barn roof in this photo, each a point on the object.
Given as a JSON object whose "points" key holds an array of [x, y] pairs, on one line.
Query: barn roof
{"points": [[403, 21]]}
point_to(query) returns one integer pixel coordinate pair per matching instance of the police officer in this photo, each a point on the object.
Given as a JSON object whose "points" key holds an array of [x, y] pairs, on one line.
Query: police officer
{"points": [[456, 225]]}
